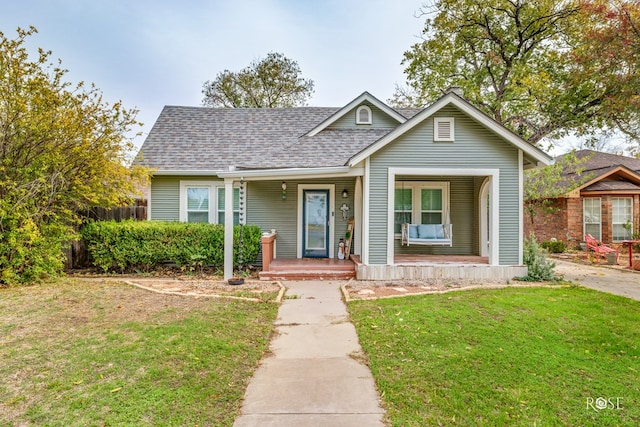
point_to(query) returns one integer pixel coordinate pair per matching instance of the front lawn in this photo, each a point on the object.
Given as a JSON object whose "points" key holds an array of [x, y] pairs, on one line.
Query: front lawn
{"points": [[103, 353], [529, 356]]}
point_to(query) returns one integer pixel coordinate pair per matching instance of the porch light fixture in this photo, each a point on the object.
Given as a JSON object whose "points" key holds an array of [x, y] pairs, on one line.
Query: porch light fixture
{"points": [[284, 190], [345, 193]]}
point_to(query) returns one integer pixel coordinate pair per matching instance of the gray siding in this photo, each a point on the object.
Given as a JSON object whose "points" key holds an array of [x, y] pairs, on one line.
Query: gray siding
{"points": [[380, 119], [266, 209], [474, 147], [165, 195], [265, 206]]}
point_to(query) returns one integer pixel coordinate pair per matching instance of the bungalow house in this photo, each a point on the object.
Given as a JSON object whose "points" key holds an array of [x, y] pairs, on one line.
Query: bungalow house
{"points": [[306, 174], [604, 201]]}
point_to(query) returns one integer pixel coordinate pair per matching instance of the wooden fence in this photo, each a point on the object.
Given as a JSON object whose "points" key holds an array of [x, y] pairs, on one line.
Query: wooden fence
{"points": [[76, 254]]}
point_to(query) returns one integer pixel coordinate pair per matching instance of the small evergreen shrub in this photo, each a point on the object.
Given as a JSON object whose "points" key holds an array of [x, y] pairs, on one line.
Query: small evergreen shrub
{"points": [[130, 246], [554, 246], [540, 269]]}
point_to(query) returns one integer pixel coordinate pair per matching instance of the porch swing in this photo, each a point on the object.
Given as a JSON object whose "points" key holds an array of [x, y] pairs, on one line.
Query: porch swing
{"points": [[427, 234]]}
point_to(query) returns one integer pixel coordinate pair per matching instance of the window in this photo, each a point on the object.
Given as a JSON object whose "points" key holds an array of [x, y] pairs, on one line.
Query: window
{"points": [[622, 218], [431, 206], [363, 115], [402, 208], [203, 201], [420, 202], [236, 205], [591, 212], [443, 129], [198, 204]]}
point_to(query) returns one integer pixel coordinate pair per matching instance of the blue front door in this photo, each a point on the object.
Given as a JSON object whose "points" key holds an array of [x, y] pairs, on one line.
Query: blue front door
{"points": [[315, 223]]}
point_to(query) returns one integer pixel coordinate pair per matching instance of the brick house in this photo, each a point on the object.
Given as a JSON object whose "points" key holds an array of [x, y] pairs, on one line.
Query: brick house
{"points": [[606, 204]]}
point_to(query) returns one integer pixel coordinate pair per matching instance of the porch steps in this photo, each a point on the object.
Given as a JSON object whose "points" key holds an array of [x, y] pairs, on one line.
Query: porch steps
{"points": [[309, 269]]}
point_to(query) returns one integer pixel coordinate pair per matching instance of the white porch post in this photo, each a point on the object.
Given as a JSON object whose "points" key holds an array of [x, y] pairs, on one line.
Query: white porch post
{"points": [[357, 215], [228, 228]]}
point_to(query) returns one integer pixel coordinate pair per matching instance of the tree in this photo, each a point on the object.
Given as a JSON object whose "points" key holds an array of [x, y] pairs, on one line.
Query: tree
{"points": [[522, 62], [272, 82], [543, 185], [62, 150]]}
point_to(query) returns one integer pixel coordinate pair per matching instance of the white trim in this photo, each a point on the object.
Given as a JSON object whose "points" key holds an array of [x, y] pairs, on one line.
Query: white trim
{"points": [[213, 194], [436, 128], [332, 204], [365, 96], [365, 211], [493, 174], [299, 173], [484, 219], [149, 204], [228, 228], [357, 215], [520, 207], [416, 199], [466, 108], [584, 212], [214, 187], [369, 115], [186, 172]]}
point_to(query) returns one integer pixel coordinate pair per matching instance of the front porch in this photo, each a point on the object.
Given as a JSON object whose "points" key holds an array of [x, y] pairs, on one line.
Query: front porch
{"points": [[309, 269], [406, 267]]}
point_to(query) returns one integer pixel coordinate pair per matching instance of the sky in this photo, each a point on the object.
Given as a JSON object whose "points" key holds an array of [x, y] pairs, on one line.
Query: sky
{"points": [[152, 53]]}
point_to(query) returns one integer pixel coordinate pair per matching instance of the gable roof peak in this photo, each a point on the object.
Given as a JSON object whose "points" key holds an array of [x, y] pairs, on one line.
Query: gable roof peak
{"points": [[364, 96]]}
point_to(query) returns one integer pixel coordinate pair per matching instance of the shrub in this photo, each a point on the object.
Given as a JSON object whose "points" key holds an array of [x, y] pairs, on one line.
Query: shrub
{"points": [[143, 245], [30, 252], [535, 258], [554, 246]]}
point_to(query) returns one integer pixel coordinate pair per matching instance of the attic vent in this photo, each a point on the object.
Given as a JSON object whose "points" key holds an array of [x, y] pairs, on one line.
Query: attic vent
{"points": [[443, 129], [363, 115]]}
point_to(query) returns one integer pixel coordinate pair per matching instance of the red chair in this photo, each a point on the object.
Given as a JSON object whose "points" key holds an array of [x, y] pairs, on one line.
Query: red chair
{"points": [[600, 249]]}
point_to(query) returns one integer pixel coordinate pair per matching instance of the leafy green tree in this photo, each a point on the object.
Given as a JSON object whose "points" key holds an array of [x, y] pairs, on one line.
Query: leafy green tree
{"points": [[62, 150], [272, 82], [526, 63], [543, 185]]}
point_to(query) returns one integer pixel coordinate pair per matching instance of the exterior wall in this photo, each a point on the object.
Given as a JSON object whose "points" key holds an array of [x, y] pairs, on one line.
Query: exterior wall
{"points": [[380, 119], [553, 224], [266, 208], [475, 147], [165, 195], [566, 223]]}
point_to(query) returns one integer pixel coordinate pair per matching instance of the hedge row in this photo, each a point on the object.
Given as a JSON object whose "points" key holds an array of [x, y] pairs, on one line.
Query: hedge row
{"points": [[142, 245]]}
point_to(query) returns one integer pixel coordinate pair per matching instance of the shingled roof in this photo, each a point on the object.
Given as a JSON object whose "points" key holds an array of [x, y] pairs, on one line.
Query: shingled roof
{"points": [[212, 139], [601, 163]]}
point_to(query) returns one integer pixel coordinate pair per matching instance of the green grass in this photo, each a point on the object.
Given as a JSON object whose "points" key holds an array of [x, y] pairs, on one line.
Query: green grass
{"points": [[97, 353], [523, 357]]}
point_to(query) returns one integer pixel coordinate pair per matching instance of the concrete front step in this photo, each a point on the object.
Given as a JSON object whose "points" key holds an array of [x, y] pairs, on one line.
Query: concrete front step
{"points": [[307, 275]]}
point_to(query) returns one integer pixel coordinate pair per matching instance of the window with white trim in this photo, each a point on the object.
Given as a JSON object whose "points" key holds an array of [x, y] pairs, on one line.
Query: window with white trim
{"points": [[203, 201], [621, 218], [420, 202], [236, 205], [363, 115], [443, 129], [592, 216], [198, 203]]}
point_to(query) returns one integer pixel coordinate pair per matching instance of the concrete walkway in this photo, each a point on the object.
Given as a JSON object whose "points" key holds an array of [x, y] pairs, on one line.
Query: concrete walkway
{"points": [[313, 377], [625, 283]]}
